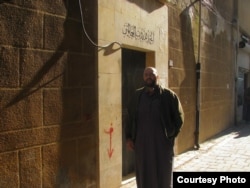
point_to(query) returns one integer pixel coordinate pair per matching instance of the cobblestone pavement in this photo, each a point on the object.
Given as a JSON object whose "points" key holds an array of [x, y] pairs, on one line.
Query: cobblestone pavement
{"points": [[227, 152]]}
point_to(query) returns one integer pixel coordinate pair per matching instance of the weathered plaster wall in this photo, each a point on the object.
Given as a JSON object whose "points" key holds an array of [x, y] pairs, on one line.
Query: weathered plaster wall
{"points": [[243, 13]]}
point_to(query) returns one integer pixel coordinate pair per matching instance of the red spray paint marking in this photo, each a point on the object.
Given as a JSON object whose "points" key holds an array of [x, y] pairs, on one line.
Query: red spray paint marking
{"points": [[110, 131]]}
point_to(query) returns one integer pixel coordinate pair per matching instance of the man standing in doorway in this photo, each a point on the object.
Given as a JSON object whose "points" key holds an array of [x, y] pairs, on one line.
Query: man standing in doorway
{"points": [[155, 119]]}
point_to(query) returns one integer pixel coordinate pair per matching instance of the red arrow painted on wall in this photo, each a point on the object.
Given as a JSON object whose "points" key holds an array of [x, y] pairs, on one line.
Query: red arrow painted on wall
{"points": [[110, 131]]}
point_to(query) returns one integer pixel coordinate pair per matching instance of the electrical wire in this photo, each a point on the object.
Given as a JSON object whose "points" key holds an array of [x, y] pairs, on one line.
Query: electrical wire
{"points": [[86, 34]]}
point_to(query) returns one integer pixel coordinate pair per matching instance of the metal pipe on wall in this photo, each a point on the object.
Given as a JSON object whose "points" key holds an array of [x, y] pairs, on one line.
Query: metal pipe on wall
{"points": [[198, 87]]}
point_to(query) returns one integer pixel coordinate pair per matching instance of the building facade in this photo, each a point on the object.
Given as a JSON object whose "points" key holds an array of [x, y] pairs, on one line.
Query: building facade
{"points": [[68, 68]]}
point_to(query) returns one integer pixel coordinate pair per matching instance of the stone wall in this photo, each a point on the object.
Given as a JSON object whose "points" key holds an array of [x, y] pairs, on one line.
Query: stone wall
{"points": [[48, 105], [210, 42], [60, 97]]}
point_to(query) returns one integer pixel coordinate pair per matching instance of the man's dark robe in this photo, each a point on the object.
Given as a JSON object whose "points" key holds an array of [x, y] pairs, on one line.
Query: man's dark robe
{"points": [[153, 150]]}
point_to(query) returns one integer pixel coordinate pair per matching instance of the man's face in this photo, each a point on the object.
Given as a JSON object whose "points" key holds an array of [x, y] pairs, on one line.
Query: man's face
{"points": [[150, 77]]}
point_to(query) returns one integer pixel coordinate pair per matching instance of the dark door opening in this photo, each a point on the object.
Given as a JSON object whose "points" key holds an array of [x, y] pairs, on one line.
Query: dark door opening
{"points": [[133, 64], [246, 75]]}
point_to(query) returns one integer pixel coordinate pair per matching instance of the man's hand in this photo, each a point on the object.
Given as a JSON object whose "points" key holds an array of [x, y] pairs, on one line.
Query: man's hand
{"points": [[130, 145]]}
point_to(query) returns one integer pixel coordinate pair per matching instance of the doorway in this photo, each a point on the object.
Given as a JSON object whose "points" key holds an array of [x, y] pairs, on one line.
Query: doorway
{"points": [[246, 85], [240, 95], [133, 64]]}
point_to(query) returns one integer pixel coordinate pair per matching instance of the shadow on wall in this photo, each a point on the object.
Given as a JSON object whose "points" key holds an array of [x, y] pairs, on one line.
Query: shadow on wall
{"points": [[148, 5], [5, 1], [67, 81]]}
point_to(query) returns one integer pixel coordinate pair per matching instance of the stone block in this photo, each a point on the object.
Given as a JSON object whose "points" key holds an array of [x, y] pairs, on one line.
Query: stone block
{"points": [[174, 36], [58, 7], [87, 160], [20, 109], [62, 34], [177, 77], [42, 69], [9, 67], [62, 106], [20, 27], [10, 141], [9, 169], [89, 104], [60, 165], [30, 168], [77, 130], [81, 71]]}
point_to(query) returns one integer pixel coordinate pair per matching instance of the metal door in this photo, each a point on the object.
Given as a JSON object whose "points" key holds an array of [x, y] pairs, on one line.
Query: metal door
{"points": [[133, 64]]}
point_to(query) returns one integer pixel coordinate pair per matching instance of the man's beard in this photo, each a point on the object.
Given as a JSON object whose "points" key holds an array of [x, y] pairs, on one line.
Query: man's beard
{"points": [[150, 84]]}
